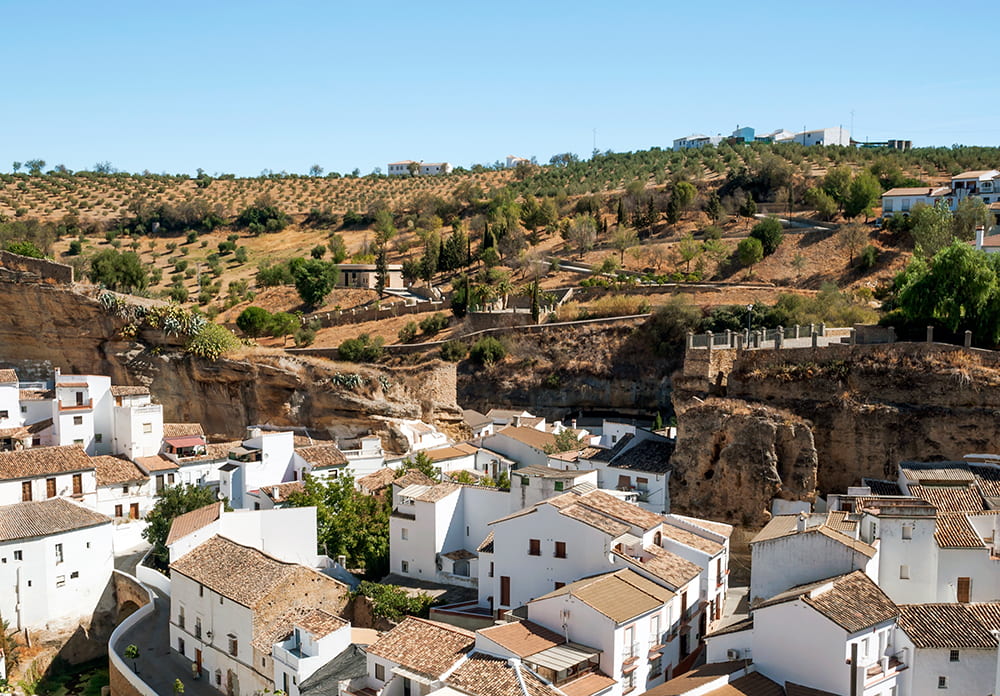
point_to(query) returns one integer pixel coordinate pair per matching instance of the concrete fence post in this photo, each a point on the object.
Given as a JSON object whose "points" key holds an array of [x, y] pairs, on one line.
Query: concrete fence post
{"points": [[812, 329], [729, 338], [779, 337], [854, 336], [690, 339], [795, 331], [815, 339], [968, 339], [930, 334], [822, 328], [892, 334], [709, 335]]}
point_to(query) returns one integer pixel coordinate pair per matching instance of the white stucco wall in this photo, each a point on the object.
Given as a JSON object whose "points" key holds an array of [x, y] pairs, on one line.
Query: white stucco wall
{"points": [[782, 563]]}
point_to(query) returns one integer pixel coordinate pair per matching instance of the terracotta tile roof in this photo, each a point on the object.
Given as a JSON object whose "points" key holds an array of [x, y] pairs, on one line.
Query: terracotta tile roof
{"points": [[486, 675], [44, 517], [947, 625], [918, 191], [116, 470], [690, 539], [412, 477], [854, 602], [40, 461], [183, 441], [181, 429], [987, 480], [426, 647], [620, 595], [651, 456], [193, 521], [954, 531], [377, 480], [698, 677], [881, 487], [156, 463], [322, 456], [835, 525], [929, 473], [720, 528], [475, 419], [540, 471], [753, 684], [432, 494], [279, 492], [595, 519], [487, 544], [793, 689], [8, 377], [587, 685], [619, 509], [122, 390], [667, 566], [988, 613], [36, 394], [18, 432], [736, 627], [523, 638], [441, 454], [39, 426], [529, 436], [240, 573], [949, 498], [320, 623], [974, 174]]}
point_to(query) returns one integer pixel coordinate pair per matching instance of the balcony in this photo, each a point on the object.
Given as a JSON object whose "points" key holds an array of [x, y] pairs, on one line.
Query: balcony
{"points": [[883, 669], [403, 515], [85, 406], [630, 652]]}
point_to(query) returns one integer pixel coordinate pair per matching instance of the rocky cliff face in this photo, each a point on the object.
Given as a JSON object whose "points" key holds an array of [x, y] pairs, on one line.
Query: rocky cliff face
{"points": [[732, 458], [863, 409], [48, 326]]}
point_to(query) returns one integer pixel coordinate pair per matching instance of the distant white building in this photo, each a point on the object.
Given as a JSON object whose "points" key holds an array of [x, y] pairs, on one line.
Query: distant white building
{"points": [[902, 200], [40, 473], [365, 275], [56, 559], [513, 161], [824, 136], [696, 140], [408, 167]]}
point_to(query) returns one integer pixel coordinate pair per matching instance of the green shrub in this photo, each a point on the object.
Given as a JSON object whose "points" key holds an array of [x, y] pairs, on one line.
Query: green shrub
{"points": [[318, 251], [212, 342], [25, 249], [263, 216], [488, 350], [305, 336], [75, 248], [364, 348], [408, 332], [393, 603], [454, 351], [868, 258], [769, 233], [254, 321], [433, 324]]}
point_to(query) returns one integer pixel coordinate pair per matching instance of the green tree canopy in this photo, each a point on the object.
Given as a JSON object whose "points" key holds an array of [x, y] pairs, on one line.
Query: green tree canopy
{"points": [[314, 279], [750, 251], [254, 321], [122, 271], [970, 214], [862, 195], [931, 227], [769, 233], [172, 502]]}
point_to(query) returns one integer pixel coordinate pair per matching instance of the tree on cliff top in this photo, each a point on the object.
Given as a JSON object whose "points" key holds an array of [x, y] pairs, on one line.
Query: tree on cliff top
{"points": [[121, 271]]}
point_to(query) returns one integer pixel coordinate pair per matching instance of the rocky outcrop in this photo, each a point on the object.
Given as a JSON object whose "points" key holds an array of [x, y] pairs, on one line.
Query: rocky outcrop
{"points": [[732, 458], [48, 326]]}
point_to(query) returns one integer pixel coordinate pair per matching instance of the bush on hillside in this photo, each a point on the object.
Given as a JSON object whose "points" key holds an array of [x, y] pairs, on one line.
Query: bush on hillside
{"points": [[487, 351], [364, 348]]}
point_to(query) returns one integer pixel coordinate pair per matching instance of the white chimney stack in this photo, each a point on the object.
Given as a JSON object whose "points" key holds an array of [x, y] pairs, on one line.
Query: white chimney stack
{"points": [[980, 236], [800, 524]]}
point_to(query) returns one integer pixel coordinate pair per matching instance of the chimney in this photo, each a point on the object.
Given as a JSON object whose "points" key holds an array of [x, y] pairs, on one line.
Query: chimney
{"points": [[800, 524], [572, 424], [517, 421], [980, 236]]}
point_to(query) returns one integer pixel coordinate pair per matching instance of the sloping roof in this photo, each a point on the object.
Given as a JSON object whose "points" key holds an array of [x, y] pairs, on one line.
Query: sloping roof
{"points": [[720, 528], [753, 684], [697, 677], [8, 377], [193, 521], [486, 675], [36, 394], [413, 476], [475, 419], [974, 174], [44, 517], [181, 429], [39, 461], [523, 638], [320, 623], [122, 390], [589, 684], [440, 454], [853, 602], [157, 462], [948, 473], [648, 456], [185, 441], [426, 647], [835, 525], [667, 566], [322, 456], [486, 546], [619, 509], [793, 689], [352, 663], [536, 439], [881, 486], [690, 539], [950, 498], [116, 470], [930, 191], [240, 573], [620, 595], [429, 494], [377, 480], [540, 471], [607, 454], [279, 492], [946, 626], [987, 480], [595, 519], [735, 627], [954, 531]]}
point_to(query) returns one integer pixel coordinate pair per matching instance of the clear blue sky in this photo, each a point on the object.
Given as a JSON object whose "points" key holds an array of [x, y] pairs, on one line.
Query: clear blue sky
{"points": [[245, 86]]}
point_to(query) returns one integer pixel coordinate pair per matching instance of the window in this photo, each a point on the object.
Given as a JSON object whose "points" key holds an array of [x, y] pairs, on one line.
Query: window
{"points": [[125, 490], [953, 656], [170, 479], [18, 555], [657, 539], [404, 566], [534, 547], [79, 398], [404, 533], [25, 491], [98, 437], [559, 585], [504, 591], [234, 646], [24, 409], [220, 599], [197, 627], [942, 682], [560, 549], [4, 414], [524, 480], [558, 485], [74, 575], [218, 677], [380, 672], [887, 206], [180, 645], [59, 553], [60, 580], [907, 531], [201, 590], [50, 488], [77, 420], [77, 484], [118, 510], [964, 590], [147, 427], [78, 441], [904, 572], [180, 616]]}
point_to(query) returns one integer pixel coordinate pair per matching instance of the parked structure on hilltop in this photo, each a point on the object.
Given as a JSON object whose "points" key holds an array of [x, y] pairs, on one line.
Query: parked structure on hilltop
{"points": [[745, 134], [414, 168]]}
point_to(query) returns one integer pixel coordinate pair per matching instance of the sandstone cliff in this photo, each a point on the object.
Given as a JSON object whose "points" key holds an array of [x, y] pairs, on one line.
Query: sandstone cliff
{"points": [[44, 326]]}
